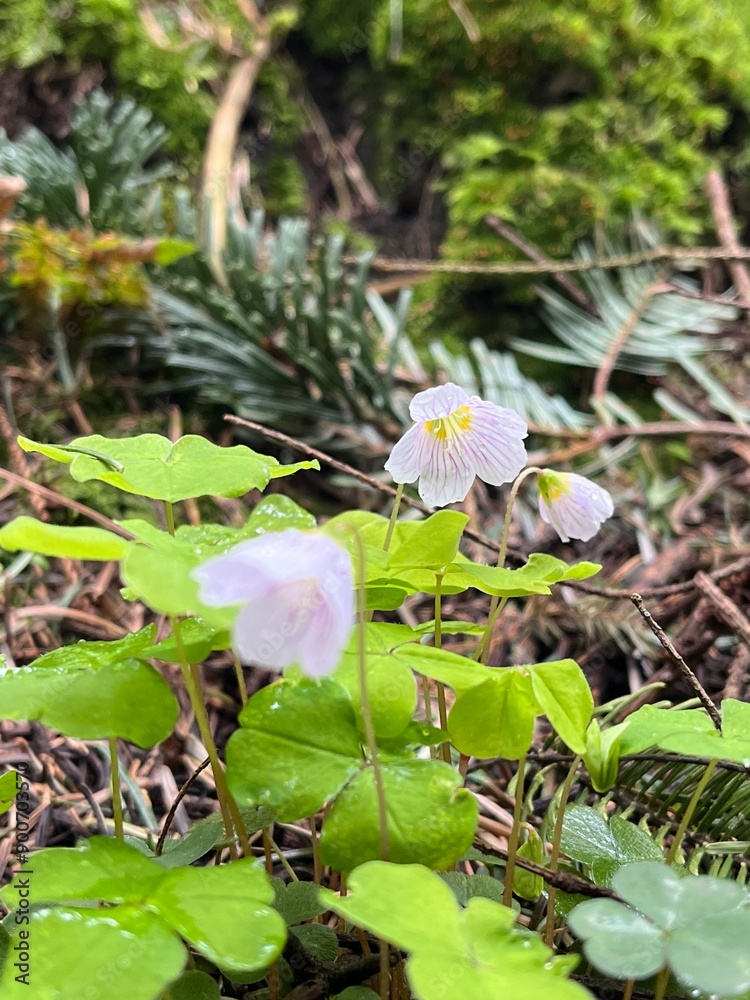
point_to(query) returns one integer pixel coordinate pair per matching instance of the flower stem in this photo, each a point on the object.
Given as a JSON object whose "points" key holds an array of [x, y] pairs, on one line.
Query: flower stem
{"points": [[317, 866], [482, 651], [364, 698], [678, 837], [485, 641], [279, 854], [549, 930], [240, 674], [385, 969], [445, 750], [510, 864], [394, 515], [170, 517], [195, 693], [660, 987], [191, 675], [427, 698], [114, 766]]}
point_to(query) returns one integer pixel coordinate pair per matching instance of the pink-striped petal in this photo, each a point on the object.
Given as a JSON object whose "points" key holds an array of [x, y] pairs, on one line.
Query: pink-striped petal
{"points": [[447, 474], [573, 505], [407, 460], [437, 402], [494, 442]]}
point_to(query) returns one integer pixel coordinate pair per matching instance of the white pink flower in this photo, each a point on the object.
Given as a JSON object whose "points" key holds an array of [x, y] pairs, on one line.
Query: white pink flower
{"points": [[573, 505], [456, 437], [296, 591]]}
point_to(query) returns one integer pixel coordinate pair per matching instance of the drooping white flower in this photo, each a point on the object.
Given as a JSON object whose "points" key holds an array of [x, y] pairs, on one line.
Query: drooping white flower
{"points": [[296, 591], [572, 504], [456, 437]]}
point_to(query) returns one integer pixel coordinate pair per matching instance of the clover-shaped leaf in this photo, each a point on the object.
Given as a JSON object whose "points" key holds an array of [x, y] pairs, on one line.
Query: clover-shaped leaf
{"points": [[431, 818], [430, 544], [297, 747], [604, 847], [93, 690], [691, 732], [456, 954], [121, 953], [698, 925], [495, 709], [150, 465], [300, 747], [223, 912]]}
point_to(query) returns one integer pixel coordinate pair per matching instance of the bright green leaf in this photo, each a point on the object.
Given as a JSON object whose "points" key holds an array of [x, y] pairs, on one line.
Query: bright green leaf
{"points": [[224, 913], [9, 784], [93, 690], [153, 466], [468, 954], [495, 719], [526, 884], [30, 535], [114, 954], [432, 544], [298, 746], [431, 819], [565, 698]]}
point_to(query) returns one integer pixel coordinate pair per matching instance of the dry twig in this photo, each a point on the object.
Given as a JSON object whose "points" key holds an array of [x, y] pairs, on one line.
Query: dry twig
{"points": [[684, 669]]}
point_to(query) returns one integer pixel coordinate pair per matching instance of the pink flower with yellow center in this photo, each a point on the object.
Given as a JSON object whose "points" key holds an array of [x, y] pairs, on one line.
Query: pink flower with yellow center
{"points": [[573, 505], [456, 437], [295, 592]]}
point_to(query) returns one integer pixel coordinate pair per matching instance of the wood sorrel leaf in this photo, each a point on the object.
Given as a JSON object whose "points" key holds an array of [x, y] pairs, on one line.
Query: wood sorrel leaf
{"points": [[93, 690], [431, 819], [691, 732], [150, 465], [458, 954], [390, 682], [194, 985], [121, 953], [433, 543], [298, 746], [699, 925], [65, 543], [495, 719], [564, 696], [617, 940], [223, 912], [9, 783]]}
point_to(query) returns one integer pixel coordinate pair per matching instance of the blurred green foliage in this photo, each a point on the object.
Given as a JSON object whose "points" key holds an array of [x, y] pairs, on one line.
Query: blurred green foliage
{"points": [[554, 114], [557, 114]]}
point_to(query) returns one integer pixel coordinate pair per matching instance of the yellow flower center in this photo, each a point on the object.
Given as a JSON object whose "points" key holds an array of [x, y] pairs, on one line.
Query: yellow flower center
{"points": [[447, 429], [552, 486]]}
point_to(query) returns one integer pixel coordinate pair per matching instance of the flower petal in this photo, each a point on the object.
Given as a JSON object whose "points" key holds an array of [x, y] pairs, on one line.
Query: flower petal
{"points": [[437, 402], [327, 633], [447, 474], [576, 508], [269, 629], [408, 456], [494, 442], [235, 576]]}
